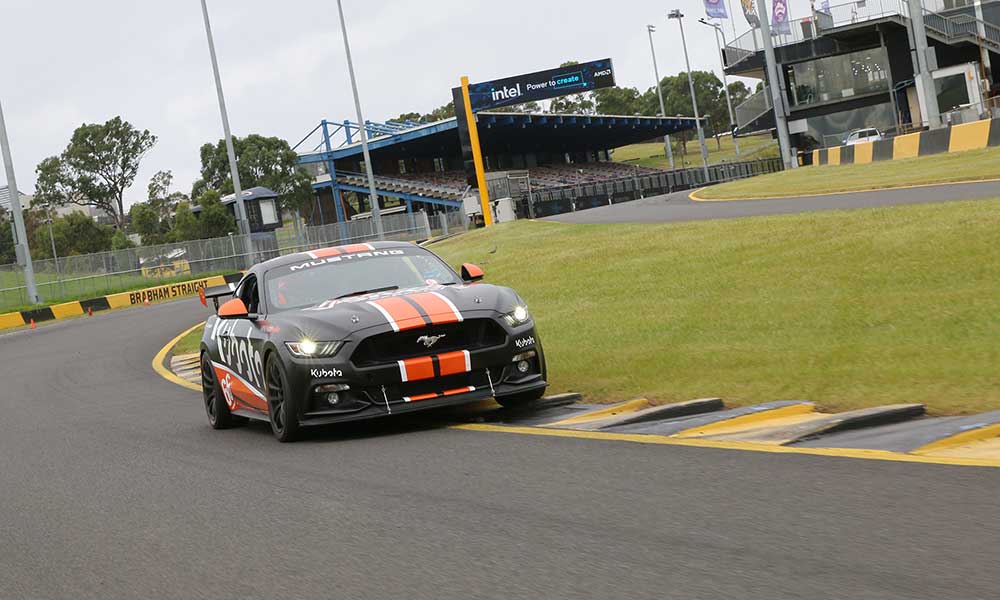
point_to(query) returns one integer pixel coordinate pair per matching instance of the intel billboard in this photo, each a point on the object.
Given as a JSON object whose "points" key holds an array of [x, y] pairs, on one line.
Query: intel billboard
{"points": [[542, 85]]}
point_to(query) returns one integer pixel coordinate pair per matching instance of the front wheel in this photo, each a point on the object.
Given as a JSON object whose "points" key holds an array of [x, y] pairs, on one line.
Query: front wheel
{"points": [[281, 404], [522, 400], [219, 415]]}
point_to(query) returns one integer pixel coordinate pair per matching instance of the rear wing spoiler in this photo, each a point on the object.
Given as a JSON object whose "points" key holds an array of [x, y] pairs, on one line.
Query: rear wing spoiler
{"points": [[220, 291]]}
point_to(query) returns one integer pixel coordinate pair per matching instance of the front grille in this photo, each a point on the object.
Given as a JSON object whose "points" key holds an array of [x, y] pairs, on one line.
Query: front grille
{"points": [[396, 391], [471, 334]]}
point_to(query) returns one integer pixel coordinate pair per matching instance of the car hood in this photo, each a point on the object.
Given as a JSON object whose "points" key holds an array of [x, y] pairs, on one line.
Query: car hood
{"points": [[396, 309]]}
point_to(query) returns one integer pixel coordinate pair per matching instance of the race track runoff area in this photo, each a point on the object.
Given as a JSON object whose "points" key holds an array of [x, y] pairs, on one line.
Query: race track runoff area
{"points": [[899, 432], [114, 486]]}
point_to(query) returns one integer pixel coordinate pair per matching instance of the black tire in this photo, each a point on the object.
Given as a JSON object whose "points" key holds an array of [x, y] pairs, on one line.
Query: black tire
{"points": [[522, 400], [219, 415], [281, 405]]}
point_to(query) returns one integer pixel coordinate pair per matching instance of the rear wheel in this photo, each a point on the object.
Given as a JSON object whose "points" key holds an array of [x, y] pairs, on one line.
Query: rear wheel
{"points": [[281, 404], [219, 415], [522, 400]]}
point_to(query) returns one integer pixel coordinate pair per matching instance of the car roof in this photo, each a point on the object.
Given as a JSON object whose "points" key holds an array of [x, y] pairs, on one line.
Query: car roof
{"points": [[313, 254]]}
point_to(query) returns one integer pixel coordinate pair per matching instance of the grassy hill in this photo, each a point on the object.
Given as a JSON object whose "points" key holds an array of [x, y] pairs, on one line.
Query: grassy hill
{"points": [[652, 155], [848, 309], [940, 168]]}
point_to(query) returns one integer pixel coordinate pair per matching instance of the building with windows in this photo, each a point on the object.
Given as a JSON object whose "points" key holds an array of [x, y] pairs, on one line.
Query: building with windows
{"points": [[849, 66], [5, 199], [262, 208]]}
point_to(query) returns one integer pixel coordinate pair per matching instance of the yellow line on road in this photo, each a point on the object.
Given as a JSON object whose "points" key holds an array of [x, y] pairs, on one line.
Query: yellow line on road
{"points": [[166, 373], [641, 438]]}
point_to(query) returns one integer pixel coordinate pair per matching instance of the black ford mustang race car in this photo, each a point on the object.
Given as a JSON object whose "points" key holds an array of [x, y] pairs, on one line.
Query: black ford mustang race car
{"points": [[361, 331]]}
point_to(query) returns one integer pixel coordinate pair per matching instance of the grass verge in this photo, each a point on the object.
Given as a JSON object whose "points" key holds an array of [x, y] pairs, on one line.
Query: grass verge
{"points": [[652, 155], [190, 343], [848, 309], [973, 165]]}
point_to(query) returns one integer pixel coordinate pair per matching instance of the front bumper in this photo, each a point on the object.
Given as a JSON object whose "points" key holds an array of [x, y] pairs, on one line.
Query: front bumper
{"points": [[381, 389]]}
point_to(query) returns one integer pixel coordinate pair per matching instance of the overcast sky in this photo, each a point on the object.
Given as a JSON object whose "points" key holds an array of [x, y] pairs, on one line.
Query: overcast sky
{"points": [[64, 63]]}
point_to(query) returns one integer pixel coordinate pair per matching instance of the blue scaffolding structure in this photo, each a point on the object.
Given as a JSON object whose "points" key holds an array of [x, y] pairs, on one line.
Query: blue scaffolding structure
{"points": [[342, 139]]}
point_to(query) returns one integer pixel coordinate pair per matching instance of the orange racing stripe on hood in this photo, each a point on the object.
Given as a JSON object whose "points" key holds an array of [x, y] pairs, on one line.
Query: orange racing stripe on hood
{"points": [[438, 308], [400, 314]]}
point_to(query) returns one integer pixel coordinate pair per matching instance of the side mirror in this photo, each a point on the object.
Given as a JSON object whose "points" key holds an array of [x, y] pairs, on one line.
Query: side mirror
{"points": [[471, 272], [234, 309]]}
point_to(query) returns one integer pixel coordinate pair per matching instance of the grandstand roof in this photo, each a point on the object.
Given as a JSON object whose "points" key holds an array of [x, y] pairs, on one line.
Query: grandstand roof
{"points": [[515, 132]]}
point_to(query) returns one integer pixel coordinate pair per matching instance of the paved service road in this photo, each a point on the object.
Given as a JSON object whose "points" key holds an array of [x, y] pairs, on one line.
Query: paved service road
{"points": [[678, 207], [112, 485]]}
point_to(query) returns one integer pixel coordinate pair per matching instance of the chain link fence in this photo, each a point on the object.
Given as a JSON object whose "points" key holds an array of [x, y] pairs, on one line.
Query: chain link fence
{"points": [[94, 275]]}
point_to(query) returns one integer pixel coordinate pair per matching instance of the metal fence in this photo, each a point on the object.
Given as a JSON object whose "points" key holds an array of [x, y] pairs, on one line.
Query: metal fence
{"points": [[93, 275], [553, 201]]}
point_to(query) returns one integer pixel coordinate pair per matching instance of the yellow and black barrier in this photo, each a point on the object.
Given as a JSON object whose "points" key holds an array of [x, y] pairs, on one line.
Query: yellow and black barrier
{"points": [[957, 138], [152, 295]]}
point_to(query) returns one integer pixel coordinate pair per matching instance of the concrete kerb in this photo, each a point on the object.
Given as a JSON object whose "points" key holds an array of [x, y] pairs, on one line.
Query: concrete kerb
{"points": [[658, 413], [816, 425]]}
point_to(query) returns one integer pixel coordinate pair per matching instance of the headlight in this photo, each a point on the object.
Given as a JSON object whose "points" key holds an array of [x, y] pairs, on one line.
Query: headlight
{"points": [[518, 316], [311, 349]]}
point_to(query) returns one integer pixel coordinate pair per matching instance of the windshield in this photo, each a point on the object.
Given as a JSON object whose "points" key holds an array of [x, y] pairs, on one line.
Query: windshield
{"points": [[311, 282]]}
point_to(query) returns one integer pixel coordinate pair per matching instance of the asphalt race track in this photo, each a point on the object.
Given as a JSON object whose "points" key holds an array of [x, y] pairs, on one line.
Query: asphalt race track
{"points": [[112, 485], [679, 207]]}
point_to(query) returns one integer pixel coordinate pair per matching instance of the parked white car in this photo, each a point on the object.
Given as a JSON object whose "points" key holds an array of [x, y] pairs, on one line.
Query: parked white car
{"points": [[860, 136]]}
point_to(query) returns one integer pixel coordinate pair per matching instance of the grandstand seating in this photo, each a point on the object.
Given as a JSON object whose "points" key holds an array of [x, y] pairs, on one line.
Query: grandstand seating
{"points": [[543, 177], [417, 187]]}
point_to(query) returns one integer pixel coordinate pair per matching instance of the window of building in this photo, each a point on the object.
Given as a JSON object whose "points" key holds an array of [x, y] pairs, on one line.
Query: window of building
{"points": [[952, 92], [836, 77], [268, 213]]}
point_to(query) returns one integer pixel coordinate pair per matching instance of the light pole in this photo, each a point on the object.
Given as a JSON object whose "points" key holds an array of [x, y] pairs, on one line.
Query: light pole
{"points": [[774, 81], [55, 255], [676, 14], [659, 93], [20, 235], [725, 84], [376, 212], [241, 209]]}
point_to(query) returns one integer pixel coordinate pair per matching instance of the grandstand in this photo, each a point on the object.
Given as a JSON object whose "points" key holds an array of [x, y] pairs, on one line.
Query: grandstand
{"points": [[547, 163]]}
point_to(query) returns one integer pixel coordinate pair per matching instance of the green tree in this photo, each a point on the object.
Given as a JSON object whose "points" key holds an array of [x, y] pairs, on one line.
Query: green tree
{"points": [[186, 226], [120, 241], [75, 233], [161, 199], [410, 116], [145, 221], [214, 220], [738, 93], [438, 114], [617, 101], [7, 254], [263, 161], [99, 164]]}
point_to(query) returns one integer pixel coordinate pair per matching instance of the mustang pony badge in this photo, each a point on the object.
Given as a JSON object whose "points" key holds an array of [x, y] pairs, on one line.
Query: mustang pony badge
{"points": [[429, 340]]}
